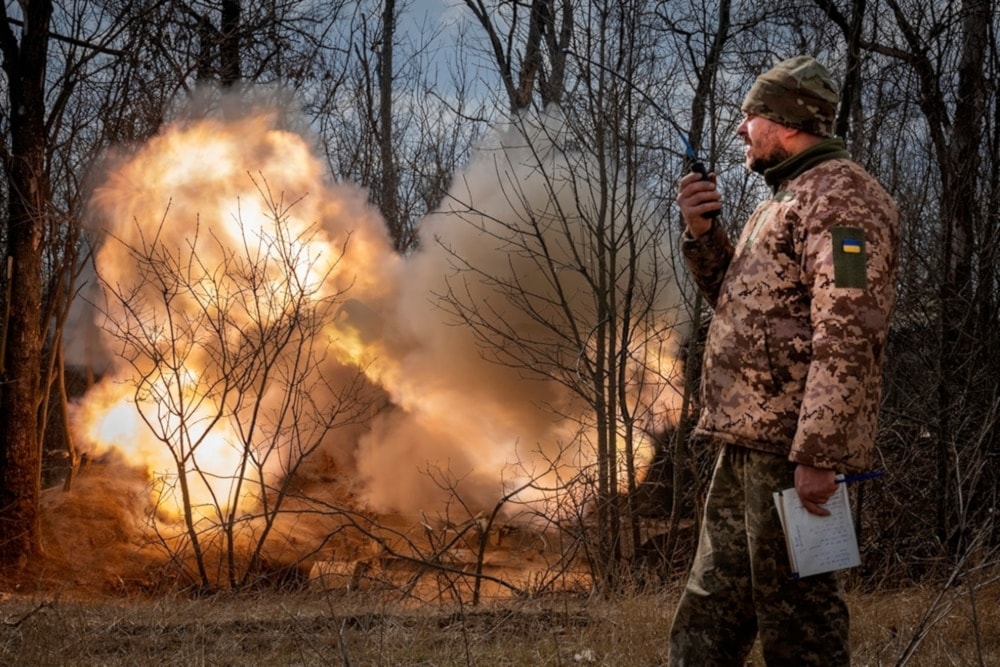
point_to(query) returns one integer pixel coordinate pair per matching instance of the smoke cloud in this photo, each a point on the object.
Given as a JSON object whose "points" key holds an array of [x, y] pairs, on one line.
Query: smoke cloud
{"points": [[466, 357]]}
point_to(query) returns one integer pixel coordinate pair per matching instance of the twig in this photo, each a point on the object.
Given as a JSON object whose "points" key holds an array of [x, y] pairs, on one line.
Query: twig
{"points": [[16, 623], [74, 41]]}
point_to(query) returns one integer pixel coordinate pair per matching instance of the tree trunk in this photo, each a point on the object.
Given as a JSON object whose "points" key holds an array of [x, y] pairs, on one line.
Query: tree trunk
{"points": [[229, 48], [20, 451], [959, 340], [387, 149]]}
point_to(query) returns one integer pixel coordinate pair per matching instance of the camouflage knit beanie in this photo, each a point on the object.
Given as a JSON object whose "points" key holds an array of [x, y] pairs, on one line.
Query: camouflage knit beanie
{"points": [[797, 92]]}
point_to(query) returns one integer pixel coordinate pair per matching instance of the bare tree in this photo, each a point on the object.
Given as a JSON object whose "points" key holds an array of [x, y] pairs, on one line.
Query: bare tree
{"points": [[24, 62], [54, 75], [389, 194], [388, 125], [529, 50], [231, 349]]}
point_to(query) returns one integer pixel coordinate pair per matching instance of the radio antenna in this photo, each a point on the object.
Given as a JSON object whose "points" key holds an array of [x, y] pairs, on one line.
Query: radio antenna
{"points": [[696, 164]]}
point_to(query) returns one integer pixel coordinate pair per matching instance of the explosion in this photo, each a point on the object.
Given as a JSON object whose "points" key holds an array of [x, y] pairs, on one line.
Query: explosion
{"points": [[259, 321]]}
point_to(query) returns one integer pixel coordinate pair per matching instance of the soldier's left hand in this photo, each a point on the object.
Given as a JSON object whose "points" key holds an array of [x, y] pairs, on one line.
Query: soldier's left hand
{"points": [[815, 486]]}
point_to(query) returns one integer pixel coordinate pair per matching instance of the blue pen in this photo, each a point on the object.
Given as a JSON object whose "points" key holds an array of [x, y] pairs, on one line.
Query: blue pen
{"points": [[861, 477]]}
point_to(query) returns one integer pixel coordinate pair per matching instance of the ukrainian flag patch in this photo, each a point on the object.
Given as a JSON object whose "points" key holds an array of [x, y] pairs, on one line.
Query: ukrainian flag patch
{"points": [[849, 262], [851, 246]]}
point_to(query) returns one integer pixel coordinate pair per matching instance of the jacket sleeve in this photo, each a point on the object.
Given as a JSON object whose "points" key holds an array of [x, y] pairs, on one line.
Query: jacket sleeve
{"points": [[708, 258], [849, 266]]}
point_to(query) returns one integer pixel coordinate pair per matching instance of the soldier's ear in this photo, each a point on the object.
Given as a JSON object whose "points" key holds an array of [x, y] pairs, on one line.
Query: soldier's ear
{"points": [[790, 133], [797, 140]]}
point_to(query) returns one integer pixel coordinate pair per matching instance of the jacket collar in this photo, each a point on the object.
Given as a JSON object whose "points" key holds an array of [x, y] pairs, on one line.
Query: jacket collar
{"points": [[799, 163]]}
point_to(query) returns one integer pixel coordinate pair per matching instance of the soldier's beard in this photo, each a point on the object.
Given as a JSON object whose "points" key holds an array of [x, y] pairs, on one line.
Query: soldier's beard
{"points": [[772, 158]]}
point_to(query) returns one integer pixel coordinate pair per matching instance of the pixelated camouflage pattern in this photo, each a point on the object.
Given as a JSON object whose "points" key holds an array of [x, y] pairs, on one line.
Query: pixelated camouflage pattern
{"points": [[797, 92], [793, 362], [741, 583]]}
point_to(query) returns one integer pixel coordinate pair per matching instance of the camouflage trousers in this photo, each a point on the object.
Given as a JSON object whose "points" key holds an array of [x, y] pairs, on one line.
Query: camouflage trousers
{"points": [[741, 585]]}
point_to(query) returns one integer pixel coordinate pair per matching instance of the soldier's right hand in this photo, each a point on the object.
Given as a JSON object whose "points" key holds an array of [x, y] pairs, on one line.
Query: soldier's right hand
{"points": [[696, 197]]}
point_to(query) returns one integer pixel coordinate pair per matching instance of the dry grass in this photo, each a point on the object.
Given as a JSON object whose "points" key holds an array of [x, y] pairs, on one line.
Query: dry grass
{"points": [[929, 626], [312, 628]]}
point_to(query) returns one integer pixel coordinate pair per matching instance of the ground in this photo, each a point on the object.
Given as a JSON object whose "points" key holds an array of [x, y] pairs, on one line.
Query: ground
{"points": [[99, 597]]}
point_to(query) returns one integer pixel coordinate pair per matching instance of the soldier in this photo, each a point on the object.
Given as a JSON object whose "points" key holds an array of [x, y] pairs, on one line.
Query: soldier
{"points": [[792, 370]]}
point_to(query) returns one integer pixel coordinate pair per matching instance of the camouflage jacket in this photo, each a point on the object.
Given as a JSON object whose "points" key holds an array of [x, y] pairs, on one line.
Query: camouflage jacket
{"points": [[802, 302]]}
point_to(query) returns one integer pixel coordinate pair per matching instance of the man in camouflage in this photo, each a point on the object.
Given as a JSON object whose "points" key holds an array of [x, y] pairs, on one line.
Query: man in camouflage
{"points": [[792, 370]]}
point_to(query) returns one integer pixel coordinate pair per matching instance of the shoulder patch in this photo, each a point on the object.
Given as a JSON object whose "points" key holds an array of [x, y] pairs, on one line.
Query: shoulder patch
{"points": [[849, 257]]}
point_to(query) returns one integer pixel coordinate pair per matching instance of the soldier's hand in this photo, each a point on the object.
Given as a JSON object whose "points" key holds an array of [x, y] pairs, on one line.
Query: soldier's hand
{"points": [[696, 197], [815, 486]]}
